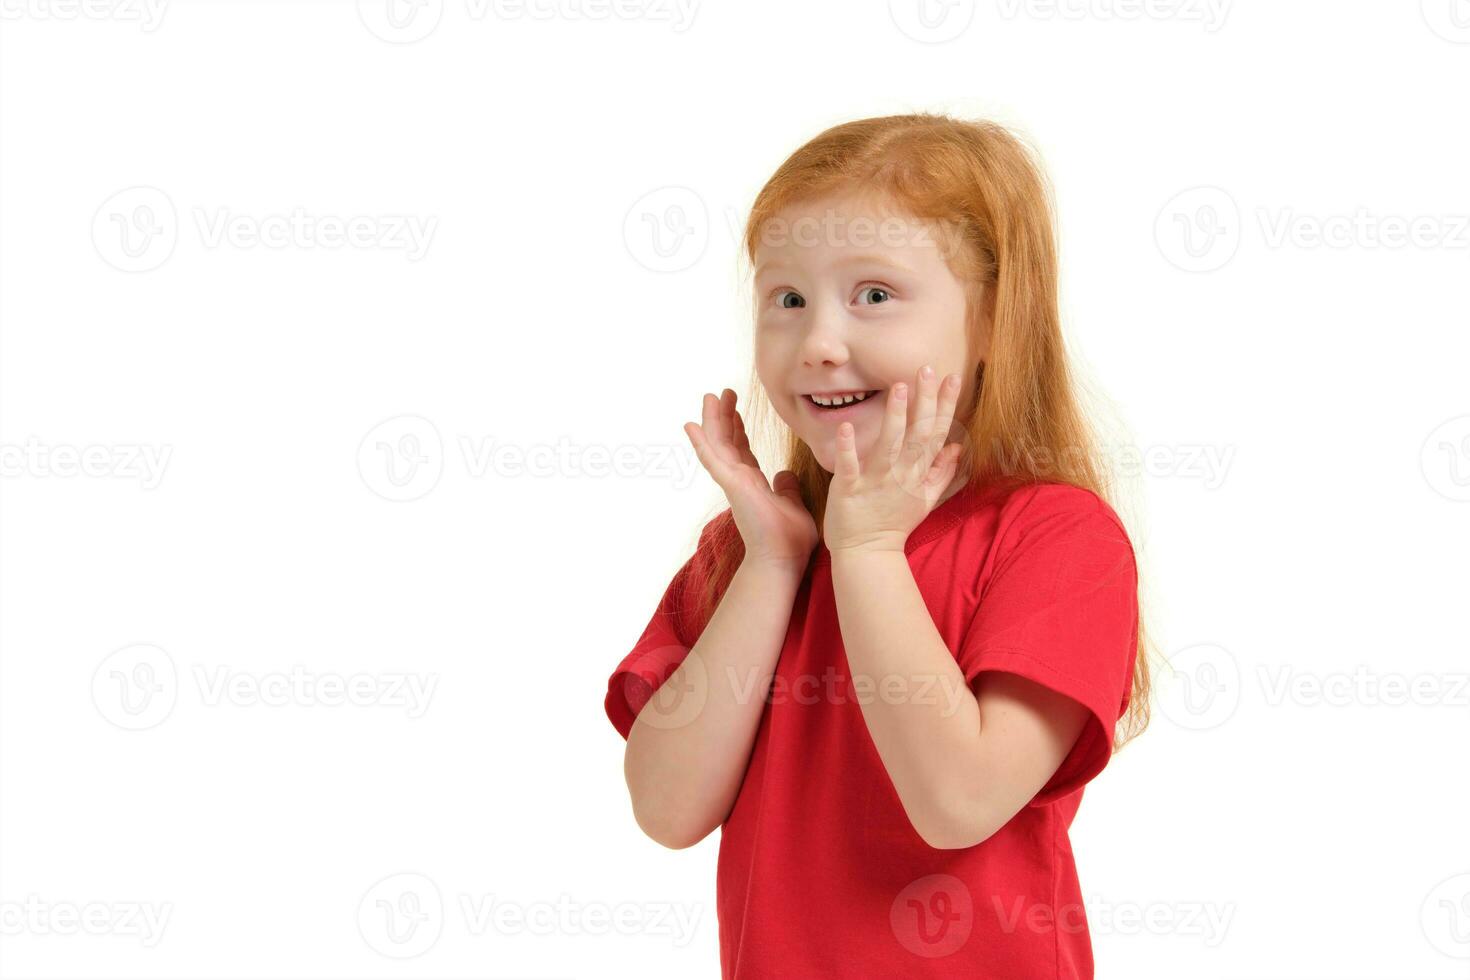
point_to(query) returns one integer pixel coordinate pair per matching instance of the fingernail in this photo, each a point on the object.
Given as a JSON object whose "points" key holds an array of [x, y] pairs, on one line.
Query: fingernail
{"points": [[926, 373]]}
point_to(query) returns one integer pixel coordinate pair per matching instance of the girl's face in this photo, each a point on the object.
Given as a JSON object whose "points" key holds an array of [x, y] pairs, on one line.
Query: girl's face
{"points": [[854, 296]]}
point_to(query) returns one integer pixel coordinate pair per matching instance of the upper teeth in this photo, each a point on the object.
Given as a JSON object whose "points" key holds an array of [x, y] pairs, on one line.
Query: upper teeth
{"points": [[838, 400]]}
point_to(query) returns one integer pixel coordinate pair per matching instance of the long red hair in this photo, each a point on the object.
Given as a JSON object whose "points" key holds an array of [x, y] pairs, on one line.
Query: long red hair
{"points": [[988, 197]]}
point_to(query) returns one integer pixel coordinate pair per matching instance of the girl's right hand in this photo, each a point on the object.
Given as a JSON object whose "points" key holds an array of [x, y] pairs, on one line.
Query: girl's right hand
{"points": [[772, 518]]}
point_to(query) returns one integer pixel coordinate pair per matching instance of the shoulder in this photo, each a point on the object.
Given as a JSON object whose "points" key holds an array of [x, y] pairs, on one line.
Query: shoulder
{"points": [[1037, 501], [1048, 509]]}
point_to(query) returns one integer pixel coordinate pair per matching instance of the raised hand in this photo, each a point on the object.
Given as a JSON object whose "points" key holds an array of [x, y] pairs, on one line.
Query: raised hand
{"points": [[873, 503], [772, 518]]}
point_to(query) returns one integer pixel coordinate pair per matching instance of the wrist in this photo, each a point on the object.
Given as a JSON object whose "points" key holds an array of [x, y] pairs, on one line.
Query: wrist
{"points": [[781, 568], [875, 546]]}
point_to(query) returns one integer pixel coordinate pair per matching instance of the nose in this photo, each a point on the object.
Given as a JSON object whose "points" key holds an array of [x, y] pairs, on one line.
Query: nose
{"points": [[825, 342]]}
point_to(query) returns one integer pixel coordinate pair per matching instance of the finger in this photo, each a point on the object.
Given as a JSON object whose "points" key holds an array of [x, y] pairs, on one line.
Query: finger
{"points": [[713, 427], [742, 442], [941, 473], [895, 422], [949, 397], [727, 413], [917, 449], [948, 462], [735, 431], [700, 444], [846, 460]]}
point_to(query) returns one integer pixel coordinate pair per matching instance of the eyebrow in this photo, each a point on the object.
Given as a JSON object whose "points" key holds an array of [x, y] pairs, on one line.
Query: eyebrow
{"points": [[865, 258]]}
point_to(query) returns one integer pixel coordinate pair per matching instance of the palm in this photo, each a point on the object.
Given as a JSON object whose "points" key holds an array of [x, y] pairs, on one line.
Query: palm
{"points": [[772, 519]]}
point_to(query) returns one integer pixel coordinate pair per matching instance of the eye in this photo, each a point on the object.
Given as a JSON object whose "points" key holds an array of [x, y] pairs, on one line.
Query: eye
{"points": [[782, 294], [881, 291]]}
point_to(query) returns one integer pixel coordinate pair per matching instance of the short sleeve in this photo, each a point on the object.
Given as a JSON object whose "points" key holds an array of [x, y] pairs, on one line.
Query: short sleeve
{"points": [[1061, 609], [667, 638]]}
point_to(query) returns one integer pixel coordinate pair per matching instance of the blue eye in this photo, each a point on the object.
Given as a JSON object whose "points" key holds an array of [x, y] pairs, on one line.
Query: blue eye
{"points": [[875, 289], [788, 292]]}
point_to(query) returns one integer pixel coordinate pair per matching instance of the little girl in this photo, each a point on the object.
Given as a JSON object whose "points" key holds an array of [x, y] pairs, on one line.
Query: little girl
{"points": [[888, 672]]}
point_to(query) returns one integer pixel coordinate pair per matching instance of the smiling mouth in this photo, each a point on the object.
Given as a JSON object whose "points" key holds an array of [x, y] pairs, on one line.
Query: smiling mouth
{"points": [[836, 402]]}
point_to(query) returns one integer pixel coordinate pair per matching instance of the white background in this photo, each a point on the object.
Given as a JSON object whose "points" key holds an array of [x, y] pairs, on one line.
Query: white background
{"points": [[1311, 830]]}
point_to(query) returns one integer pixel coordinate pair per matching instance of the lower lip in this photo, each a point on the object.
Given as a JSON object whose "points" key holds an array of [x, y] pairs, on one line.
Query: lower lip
{"points": [[845, 413]]}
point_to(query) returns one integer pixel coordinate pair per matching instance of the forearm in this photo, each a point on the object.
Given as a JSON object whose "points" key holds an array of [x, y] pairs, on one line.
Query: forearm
{"points": [[686, 754], [921, 714]]}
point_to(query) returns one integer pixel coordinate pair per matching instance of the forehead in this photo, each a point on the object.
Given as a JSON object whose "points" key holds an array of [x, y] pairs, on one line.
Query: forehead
{"points": [[846, 228]]}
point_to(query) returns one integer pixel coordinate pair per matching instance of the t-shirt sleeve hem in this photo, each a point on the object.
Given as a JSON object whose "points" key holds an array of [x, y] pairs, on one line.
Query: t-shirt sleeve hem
{"points": [[630, 687], [1089, 755]]}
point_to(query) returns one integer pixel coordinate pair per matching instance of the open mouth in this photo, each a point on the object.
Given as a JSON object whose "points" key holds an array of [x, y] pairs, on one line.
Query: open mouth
{"points": [[839, 402]]}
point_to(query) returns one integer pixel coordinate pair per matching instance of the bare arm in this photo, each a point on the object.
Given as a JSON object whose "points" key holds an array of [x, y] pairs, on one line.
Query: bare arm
{"points": [[962, 765], [689, 746]]}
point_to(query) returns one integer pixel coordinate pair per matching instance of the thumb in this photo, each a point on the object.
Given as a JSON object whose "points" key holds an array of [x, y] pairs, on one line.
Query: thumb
{"points": [[786, 484]]}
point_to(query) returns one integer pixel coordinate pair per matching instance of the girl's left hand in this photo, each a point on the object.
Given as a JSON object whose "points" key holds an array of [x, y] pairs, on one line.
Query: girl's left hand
{"points": [[874, 504]]}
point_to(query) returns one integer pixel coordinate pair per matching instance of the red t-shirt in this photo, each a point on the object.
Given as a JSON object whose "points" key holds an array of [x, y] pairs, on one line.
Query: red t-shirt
{"points": [[820, 873]]}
